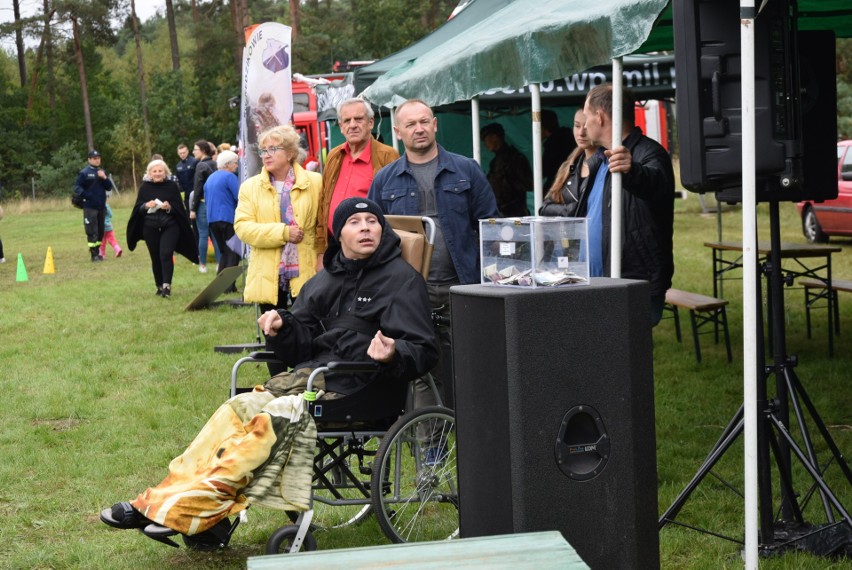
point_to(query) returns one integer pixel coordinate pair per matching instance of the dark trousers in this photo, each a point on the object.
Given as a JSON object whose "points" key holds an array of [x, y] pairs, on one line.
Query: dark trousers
{"points": [[93, 221], [222, 232], [442, 374], [161, 244]]}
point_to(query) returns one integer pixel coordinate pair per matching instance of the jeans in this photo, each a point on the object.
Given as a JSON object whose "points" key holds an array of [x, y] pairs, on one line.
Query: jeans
{"points": [[204, 235]]}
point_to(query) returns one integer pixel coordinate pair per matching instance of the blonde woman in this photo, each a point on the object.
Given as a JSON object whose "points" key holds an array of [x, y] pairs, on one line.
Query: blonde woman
{"points": [[276, 216], [160, 219]]}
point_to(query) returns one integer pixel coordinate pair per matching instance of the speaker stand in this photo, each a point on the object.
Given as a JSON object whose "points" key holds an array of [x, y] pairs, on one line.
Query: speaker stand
{"points": [[773, 433]]}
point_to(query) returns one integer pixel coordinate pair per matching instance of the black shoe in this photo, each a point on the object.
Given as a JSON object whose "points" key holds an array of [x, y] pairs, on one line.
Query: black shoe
{"points": [[212, 539], [124, 516], [167, 291], [159, 291]]}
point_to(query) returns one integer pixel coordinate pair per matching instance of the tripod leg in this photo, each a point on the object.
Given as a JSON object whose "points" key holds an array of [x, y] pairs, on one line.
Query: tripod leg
{"points": [[789, 377], [732, 431], [786, 478], [813, 471]]}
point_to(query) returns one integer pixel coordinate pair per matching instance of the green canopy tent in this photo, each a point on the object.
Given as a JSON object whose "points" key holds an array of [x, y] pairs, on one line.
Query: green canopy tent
{"points": [[535, 41], [475, 11]]}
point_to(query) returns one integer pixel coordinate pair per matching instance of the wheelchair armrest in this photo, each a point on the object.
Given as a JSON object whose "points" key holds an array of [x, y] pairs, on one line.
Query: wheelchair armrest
{"points": [[262, 356], [341, 366], [257, 356], [345, 366]]}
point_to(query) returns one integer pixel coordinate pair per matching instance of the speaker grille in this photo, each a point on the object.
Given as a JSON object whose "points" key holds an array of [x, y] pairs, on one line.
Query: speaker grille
{"points": [[582, 446]]}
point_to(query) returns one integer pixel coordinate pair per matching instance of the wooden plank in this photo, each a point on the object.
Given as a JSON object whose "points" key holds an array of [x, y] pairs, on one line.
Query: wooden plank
{"points": [[693, 301], [836, 284], [540, 550]]}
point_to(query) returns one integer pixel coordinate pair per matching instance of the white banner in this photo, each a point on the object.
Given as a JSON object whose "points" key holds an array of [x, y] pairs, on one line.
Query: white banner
{"points": [[267, 97]]}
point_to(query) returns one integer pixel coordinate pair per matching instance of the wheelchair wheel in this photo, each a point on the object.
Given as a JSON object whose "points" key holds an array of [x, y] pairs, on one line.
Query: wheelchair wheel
{"points": [[282, 539], [415, 490], [341, 491]]}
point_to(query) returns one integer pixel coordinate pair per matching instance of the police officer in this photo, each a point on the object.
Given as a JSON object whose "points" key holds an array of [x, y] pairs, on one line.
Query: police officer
{"points": [[93, 184], [185, 172]]}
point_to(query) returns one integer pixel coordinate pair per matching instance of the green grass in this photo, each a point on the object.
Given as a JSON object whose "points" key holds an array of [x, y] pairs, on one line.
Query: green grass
{"points": [[104, 383]]}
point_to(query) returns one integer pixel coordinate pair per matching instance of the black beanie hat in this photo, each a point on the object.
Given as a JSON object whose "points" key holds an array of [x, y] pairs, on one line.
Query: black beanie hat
{"points": [[352, 206]]}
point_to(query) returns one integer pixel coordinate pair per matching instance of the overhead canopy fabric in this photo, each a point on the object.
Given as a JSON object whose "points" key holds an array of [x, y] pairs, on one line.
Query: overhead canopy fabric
{"points": [[474, 12], [534, 41], [525, 42]]}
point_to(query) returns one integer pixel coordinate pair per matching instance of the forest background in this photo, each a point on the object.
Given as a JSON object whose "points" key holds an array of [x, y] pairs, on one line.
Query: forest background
{"points": [[88, 74]]}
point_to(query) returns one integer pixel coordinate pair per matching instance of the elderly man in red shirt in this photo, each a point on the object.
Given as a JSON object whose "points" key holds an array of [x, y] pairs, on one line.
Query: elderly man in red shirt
{"points": [[350, 167]]}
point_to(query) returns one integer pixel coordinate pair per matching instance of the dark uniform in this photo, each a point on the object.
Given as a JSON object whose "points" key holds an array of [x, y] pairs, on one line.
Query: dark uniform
{"points": [[93, 189], [185, 171]]}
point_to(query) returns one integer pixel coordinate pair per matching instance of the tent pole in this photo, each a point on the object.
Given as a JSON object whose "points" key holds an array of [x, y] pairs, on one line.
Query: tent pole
{"points": [[747, 17], [394, 140], [474, 127], [535, 100], [617, 140]]}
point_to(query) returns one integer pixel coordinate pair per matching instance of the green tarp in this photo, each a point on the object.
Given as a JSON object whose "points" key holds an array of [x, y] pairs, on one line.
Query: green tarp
{"points": [[535, 41], [474, 12]]}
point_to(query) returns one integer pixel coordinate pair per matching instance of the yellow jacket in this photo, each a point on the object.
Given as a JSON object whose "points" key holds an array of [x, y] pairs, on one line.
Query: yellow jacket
{"points": [[257, 222]]}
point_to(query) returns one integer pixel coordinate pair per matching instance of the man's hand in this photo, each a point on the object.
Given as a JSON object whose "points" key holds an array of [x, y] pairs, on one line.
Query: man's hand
{"points": [[270, 323], [102, 174], [381, 348], [191, 215], [620, 159]]}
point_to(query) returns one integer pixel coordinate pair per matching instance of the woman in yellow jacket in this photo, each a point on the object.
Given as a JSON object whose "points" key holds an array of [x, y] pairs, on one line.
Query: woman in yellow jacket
{"points": [[277, 215]]}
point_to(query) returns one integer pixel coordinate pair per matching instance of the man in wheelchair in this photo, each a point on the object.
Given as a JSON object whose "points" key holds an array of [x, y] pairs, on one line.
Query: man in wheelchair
{"points": [[258, 446]]}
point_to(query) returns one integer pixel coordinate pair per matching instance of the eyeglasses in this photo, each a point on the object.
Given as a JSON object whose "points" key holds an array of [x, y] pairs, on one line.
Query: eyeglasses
{"points": [[270, 150]]}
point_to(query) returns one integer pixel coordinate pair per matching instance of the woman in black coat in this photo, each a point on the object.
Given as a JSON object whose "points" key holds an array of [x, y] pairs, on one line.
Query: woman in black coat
{"points": [[572, 178], [160, 219]]}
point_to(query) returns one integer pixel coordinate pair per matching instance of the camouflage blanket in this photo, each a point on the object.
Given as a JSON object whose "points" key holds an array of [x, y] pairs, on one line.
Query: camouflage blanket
{"points": [[256, 448]]}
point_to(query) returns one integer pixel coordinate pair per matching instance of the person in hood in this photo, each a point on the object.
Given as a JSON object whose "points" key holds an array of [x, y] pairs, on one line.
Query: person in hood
{"points": [[368, 305]]}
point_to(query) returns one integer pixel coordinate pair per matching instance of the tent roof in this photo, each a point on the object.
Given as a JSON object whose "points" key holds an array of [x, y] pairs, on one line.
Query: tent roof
{"points": [[534, 41], [474, 12]]}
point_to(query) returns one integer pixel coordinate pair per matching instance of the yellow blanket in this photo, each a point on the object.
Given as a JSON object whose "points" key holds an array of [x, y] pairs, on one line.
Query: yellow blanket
{"points": [[255, 448]]}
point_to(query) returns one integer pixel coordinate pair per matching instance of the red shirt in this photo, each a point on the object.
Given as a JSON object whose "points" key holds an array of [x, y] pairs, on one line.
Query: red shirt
{"points": [[354, 178]]}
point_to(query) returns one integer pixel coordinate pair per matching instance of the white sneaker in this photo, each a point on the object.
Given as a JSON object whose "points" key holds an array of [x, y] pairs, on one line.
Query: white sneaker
{"points": [[202, 269], [2, 260]]}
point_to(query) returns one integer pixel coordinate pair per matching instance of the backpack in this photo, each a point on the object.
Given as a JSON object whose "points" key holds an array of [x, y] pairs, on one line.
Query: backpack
{"points": [[77, 200]]}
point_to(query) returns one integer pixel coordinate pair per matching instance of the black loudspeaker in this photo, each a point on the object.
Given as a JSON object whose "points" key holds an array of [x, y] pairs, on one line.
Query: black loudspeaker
{"points": [[795, 102], [555, 416]]}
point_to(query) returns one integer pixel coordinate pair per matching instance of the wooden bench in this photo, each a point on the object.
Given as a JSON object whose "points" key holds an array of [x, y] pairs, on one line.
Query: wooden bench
{"points": [[703, 310], [816, 290], [546, 550]]}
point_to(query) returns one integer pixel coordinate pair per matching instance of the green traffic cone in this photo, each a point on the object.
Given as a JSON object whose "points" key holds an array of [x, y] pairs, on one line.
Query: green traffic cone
{"points": [[22, 270]]}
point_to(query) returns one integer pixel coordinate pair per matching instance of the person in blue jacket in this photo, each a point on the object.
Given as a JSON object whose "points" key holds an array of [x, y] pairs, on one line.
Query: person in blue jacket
{"points": [[451, 189], [92, 184], [222, 191]]}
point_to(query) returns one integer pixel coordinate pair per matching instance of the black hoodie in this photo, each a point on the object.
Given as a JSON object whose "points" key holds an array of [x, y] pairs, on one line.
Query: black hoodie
{"points": [[382, 292]]}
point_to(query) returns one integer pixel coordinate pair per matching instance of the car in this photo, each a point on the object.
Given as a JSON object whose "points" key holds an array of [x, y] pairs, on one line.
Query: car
{"points": [[832, 217]]}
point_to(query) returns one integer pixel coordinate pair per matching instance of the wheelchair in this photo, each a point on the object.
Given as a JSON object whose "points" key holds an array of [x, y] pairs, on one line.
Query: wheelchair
{"points": [[376, 454], [375, 458]]}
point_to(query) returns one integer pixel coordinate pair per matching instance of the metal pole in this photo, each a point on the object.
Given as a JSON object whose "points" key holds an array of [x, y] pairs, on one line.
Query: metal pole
{"points": [[535, 99], [616, 213], [747, 16], [474, 129], [394, 141]]}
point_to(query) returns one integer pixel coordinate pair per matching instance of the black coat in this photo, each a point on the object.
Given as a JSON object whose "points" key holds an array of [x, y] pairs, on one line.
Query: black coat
{"points": [[166, 191], [573, 189], [383, 293], [648, 213]]}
